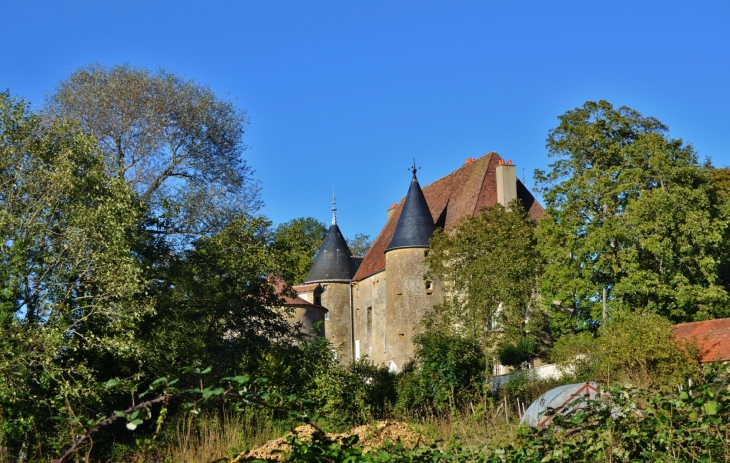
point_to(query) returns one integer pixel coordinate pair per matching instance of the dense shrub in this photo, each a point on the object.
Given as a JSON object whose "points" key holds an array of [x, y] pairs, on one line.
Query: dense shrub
{"points": [[447, 370], [632, 348]]}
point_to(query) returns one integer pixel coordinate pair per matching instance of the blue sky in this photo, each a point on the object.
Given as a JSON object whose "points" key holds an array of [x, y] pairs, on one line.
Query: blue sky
{"points": [[344, 94]]}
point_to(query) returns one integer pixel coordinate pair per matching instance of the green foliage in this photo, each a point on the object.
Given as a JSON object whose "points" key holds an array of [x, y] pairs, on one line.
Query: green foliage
{"points": [[634, 348], [218, 307], [297, 242], [517, 353], [351, 394], [359, 244], [71, 289], [492, 267], [631, 210], [174, 141], [690, 426], [448, 370]]}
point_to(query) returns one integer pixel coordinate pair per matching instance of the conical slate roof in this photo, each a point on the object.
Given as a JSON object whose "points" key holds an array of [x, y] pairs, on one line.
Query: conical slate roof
{"points": [[334, 260], [415, 225]]}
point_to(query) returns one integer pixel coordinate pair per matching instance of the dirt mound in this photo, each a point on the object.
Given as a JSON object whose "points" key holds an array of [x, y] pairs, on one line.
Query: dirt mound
{"points": [[372, 436]]}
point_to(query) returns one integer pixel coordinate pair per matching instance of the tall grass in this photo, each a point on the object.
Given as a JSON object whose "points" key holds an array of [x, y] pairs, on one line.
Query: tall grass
{"points": [[209, 437]]}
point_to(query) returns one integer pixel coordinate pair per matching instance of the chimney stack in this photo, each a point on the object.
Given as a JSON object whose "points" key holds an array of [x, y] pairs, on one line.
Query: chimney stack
{"points": [[506, 182], [391, 209]]}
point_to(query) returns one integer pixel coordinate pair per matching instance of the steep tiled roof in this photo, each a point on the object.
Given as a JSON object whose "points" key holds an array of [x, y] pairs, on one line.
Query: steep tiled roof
{"points": [[712, 338], [461, 193]]}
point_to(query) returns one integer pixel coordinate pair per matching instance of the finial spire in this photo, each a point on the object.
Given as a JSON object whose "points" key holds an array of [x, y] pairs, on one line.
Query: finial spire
{"points": [[334, 208], [414, 169]]}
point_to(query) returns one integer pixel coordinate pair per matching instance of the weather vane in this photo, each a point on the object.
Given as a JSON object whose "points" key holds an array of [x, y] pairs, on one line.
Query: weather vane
{"points": [[414, 169]]}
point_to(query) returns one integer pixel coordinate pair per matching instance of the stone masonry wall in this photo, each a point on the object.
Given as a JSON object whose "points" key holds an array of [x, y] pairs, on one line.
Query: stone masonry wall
{"points": [[336, 299], [408, 298]]}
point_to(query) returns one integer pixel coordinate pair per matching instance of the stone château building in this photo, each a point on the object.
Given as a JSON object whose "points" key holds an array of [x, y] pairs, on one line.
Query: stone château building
{"points": [[376, 302]]}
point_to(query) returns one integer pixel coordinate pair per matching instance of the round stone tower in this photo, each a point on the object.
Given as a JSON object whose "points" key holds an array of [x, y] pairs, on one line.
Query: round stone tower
{"points": [[333, 268], [406, 293]]}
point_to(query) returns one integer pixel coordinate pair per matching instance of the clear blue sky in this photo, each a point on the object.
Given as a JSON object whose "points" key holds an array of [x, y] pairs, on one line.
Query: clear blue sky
{"points": [[345, 93]]}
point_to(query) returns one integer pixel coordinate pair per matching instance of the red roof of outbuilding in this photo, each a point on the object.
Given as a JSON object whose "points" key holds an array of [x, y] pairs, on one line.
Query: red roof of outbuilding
{"points": [[462, 193], [712, 338], [282, 289]]}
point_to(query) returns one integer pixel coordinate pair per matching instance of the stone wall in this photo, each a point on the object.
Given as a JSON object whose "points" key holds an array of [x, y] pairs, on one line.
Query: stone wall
{"points": [[408, 298], [336, 299], [369, 305], [308, 317]]}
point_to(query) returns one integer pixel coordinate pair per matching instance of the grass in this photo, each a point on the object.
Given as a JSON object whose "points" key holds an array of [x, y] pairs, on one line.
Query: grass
{"points": [[206, 438]]}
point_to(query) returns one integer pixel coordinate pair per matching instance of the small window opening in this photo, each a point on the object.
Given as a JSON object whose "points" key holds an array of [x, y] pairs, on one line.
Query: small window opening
{"points": [[326, 315]]}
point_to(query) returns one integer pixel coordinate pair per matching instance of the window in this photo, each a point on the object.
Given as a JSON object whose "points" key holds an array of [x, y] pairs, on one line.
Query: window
{"points": [[429, 287], [324, 288], [327, 315]]}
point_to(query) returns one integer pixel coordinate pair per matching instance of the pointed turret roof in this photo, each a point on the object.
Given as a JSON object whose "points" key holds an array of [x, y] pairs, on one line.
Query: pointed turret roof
{"points": [[334, 261], [415, 224], [459, 194]]}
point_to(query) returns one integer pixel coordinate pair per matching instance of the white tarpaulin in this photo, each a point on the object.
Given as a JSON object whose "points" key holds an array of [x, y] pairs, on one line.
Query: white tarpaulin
{"points": [[558, 401]]}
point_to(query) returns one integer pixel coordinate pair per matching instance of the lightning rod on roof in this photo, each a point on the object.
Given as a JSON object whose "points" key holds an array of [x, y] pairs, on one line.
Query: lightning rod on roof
{"points": [[334, 208]]}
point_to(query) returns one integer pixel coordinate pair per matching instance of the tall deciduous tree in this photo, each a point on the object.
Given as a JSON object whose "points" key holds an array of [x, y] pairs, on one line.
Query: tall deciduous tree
{"points": [[70, 285], [491, 266], [297, 241], [220, 308], [173, 140], [631, 210], [359, 244]]}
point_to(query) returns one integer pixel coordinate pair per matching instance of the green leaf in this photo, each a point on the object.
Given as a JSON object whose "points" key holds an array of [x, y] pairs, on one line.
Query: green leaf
{"points": [[711, 407], [113, 382]]}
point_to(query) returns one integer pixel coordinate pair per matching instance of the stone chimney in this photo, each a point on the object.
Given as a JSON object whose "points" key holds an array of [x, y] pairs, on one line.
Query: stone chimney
{"points": [[506, 182], [391, 209]]}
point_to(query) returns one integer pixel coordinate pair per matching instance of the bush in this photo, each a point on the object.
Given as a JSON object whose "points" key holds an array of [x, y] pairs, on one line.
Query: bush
{"points": [[518, 353], [634, 348], [448, 369]]}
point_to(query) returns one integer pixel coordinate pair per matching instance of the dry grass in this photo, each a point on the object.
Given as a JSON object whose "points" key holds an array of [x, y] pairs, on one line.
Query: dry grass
{"points": [[473, 427], [207, 438]]}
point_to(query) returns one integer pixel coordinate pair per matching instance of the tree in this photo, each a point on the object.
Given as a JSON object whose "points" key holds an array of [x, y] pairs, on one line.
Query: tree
{"points": [[630, 210], [174, 141], [360, 244], [297, 242], [491, 266], [219, 307], [70, 285]]}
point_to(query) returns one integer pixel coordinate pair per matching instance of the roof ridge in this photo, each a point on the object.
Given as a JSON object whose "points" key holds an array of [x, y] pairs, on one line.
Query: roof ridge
{"points": [[484, 179]]}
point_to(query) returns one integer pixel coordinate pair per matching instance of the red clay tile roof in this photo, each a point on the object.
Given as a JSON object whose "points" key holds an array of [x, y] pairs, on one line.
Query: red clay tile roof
{"points": [[281, 288], [712, 338], [305, 288], [461, 193]]}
